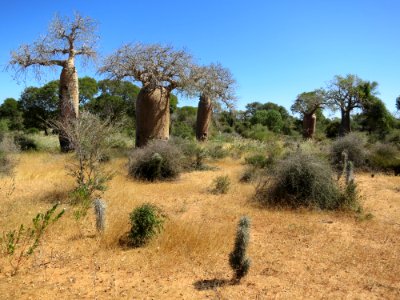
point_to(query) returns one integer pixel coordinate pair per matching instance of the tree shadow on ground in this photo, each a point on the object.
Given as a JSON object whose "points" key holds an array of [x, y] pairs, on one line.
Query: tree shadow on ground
{"points": [[210, 284]]}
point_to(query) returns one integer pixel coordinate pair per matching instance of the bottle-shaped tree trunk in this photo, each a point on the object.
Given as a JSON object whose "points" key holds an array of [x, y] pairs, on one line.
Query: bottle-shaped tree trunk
{"points": [[345, 126], [69, 101], [203, 121], [309, 125], [152, 115]]}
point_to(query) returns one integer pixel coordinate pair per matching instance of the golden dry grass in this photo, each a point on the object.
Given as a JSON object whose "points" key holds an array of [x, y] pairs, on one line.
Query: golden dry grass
{"points": [[295, 254]]}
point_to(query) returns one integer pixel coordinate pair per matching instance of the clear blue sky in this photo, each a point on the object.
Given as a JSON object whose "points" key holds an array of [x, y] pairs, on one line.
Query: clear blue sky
{"points": [[275, 49]]}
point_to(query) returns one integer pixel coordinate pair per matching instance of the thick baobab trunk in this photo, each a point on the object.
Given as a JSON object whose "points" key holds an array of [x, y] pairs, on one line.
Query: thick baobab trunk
{"points": [[345, 126], [152, 115], [309, 125], [69, 101], [203, 121]]}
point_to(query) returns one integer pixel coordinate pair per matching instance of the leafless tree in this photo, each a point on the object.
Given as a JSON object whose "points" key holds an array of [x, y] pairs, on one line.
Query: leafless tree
{"points": [[65, 40], [160, 69], [214, 85], [348, 93], [306, 105]]}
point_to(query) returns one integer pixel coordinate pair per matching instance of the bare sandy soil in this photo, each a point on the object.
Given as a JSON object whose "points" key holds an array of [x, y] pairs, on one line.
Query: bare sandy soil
{"points": [[295, 254]]}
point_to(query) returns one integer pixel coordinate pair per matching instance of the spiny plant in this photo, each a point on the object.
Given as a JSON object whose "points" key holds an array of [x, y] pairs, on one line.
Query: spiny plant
{"points": [[349, 172], [238, 260], [100, 212], [146, 221], [19, 244]]}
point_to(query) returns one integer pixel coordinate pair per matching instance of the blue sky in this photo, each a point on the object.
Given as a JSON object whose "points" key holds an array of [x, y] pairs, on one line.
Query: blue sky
{"points": [[275, 49]]}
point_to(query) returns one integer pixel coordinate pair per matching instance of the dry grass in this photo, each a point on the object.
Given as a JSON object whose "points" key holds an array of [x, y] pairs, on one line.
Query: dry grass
{"points": [[295, 254]]}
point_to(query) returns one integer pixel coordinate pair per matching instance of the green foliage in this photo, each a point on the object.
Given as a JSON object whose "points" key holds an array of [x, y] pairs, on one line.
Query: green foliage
{"points": [[216, 151], [238, 260], [332, 129], [18, 244], [257, 160], [25, 143], [11, 111], [375, 118], [259, 132], [384, 157], [270, 118], [300, 180], [40, 105], [88, 88], [159, 160], [354, 145], [220, 185], [146, 221]]}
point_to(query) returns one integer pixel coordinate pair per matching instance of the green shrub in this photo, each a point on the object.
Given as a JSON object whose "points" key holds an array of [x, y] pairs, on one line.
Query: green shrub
{"points": [[32, 130], [159, 160], [257, 160], [216, 151], [25, 143], [384, 157], [146, 220], [221, 185], [300, 180], [354, 145]]}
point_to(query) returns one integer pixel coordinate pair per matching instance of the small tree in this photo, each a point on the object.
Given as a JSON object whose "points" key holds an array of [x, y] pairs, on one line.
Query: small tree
{"points": [[214, 85], [160, 69], [238, 260], [66, 39], [348, 93], [306, 105]]}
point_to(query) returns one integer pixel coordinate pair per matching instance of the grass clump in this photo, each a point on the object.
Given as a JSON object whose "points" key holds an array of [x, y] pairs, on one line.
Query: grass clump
{"points": [[159, 160], [301, 180], [146, 221], [220, 185]]}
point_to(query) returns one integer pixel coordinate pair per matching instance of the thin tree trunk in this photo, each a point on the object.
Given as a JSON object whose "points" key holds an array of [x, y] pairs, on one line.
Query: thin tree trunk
{"points": [[309, 125], [203, 121], [69, 101], [345, 126], [152, 115]]}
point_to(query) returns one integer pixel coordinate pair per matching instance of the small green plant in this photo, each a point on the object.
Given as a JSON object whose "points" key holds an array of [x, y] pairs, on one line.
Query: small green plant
{"points": [[257, 160], [146, 221], [221, 185], [19, 244], [238, 260]]}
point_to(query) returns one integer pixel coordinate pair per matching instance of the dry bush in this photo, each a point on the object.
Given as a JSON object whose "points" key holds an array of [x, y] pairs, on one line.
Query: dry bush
{"points": [[354, 145], [300, 180], [384, 157], [159, 160], [7, 161]]}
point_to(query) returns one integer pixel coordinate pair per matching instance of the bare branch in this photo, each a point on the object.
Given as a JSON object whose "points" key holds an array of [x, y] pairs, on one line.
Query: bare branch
{"points": [[64, 40], [153, 65]]}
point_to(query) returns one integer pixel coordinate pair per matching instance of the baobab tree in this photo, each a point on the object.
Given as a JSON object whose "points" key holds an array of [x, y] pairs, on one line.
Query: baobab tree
{"points": [[214, 85], [348, 93], [65, 40], [160, 70], [306, 105]]}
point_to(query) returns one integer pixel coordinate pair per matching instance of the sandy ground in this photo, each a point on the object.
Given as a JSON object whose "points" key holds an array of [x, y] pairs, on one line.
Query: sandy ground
{"points": [[295, 254]]}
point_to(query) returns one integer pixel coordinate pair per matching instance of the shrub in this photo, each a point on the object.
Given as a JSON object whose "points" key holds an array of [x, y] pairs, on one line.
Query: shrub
{"points": [[354, 145], [257, 160], [384, 157], [7, 161], [216, 151], [221, 185], [193, 154], [146, 220], [300, 180], [237, 258], [32, 130], [159, 160], [25, 143]]}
